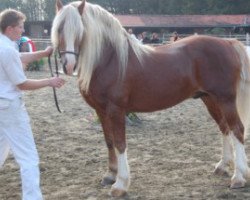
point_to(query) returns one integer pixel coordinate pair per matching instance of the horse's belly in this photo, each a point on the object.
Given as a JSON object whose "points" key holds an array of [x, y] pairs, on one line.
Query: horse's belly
{"points": [[153, 102]]}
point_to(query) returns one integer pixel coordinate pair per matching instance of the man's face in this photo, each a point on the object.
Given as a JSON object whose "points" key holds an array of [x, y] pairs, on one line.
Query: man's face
{"points": [[15, 32]]}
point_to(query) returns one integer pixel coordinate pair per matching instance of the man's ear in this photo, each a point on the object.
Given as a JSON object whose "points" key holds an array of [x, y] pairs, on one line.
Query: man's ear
{"points": [[81, 7], [59, 5]]}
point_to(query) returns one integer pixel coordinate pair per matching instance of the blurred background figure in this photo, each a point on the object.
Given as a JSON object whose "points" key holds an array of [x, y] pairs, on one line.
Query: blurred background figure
{"points": [[25, 44], [145, 38], [174, 37], [155, 38], [139, 37], [130, 31]]}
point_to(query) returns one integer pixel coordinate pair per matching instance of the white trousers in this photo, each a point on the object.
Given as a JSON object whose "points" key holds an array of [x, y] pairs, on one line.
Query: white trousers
{"points": [[16, 135]]}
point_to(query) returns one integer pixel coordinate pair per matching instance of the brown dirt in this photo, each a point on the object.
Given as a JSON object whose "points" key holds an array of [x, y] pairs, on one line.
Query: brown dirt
{"points": [[171, 154]]}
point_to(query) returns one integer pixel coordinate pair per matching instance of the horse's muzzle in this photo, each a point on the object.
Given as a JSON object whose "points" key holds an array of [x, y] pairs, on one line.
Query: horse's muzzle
{"points": [[65, 68]]}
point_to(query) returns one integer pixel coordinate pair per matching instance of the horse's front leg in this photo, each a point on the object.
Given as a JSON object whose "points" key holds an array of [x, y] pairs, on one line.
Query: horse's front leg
{"points": [[110, 176], [227, 157], [115, 120]]}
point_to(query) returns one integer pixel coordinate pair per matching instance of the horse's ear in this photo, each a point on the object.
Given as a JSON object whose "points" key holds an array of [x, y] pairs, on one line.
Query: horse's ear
{"points": [[59, 5], [81, 7]]}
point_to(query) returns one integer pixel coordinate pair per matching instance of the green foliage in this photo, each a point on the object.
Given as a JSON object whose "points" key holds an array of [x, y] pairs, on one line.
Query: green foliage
{"points": [[45, 9], [36, 65], [175, 7], [216, 31]]}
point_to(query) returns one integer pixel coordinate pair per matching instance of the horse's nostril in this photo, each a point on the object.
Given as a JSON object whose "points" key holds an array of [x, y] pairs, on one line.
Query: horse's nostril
{"points": [[64, 67]]}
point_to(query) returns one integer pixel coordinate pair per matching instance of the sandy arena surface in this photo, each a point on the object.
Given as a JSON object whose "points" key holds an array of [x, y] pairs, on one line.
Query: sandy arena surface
{"points": [[172, 153]]}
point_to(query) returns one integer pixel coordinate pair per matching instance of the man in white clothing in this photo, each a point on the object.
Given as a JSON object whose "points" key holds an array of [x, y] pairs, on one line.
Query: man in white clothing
{"points": [[15, 129]]}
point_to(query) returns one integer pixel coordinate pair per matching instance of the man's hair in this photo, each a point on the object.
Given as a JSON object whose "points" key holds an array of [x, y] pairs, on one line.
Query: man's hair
{"points": [[10, 17]]}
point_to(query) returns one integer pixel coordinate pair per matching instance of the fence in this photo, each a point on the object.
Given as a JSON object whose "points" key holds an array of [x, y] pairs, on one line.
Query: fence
{"points": [[245, 38], [41, 43]]}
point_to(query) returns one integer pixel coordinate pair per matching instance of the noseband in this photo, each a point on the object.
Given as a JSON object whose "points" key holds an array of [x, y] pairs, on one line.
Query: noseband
{"points": [[67, 52]]}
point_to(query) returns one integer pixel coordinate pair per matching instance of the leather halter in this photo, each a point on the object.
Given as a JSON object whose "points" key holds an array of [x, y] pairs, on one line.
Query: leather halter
{"points": [[52, 75], [57, 73], [67, 52]]}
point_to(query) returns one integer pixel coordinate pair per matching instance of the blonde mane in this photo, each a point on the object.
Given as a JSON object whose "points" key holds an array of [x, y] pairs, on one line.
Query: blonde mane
{"points": [[97, 28]]}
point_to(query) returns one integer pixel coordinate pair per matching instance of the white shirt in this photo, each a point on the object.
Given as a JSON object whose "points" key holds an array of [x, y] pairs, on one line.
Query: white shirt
{"points": [[11, 70]]}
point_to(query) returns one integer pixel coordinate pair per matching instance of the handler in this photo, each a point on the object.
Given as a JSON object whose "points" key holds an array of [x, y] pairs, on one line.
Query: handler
{"points": [[15, 129]]}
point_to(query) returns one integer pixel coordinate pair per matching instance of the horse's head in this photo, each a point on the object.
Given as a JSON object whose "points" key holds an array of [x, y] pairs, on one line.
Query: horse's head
{"points": [[67, 33]]}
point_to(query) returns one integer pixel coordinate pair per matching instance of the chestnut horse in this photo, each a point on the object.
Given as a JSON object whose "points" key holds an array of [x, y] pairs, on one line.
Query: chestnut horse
{"points": [[118, 75]]}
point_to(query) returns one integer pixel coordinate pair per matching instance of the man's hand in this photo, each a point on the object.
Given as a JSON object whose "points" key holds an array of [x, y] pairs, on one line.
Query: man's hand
{"points": [[48, 51], [33, 84], [56, 82]]}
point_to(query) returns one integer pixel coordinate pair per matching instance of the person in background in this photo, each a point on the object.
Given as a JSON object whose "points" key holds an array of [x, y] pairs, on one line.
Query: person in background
{"points": [[15, 129], [130, 31], [155, 39], [145, 39], [25, 44], [139, 37], [174, 37]]}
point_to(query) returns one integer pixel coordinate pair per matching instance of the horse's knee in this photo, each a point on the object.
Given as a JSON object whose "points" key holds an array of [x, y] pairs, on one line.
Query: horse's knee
{"points": [[120, 147], [120, 144]]}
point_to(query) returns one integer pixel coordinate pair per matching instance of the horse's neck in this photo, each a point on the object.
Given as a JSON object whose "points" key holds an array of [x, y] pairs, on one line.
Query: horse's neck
{"points": [[108, 53]]}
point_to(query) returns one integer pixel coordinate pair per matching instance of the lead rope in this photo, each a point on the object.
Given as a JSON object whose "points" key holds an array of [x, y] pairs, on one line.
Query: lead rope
{"points": [[52, 75]]}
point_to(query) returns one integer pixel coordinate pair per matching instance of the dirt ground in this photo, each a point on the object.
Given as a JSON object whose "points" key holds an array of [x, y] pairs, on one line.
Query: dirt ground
{"points": [[172, 153]]}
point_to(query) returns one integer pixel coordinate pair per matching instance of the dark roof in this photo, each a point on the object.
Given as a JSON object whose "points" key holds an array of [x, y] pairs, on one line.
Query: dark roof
{"points": [[184, 20]]}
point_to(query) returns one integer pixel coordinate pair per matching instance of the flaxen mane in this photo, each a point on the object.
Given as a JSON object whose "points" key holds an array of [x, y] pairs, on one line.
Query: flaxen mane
{"points": [[94, 29]]}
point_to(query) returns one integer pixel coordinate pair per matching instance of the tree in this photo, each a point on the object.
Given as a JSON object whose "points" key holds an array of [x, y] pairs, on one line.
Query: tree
{"points": [[45, 9], [34, 10], [15, 4]]}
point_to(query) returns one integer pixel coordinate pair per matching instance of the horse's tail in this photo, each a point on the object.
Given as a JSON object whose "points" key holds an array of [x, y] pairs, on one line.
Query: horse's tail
{"points": [[243, 90]]}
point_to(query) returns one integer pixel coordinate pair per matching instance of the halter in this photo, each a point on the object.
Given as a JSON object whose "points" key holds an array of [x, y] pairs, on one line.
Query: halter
{"points": [[67, 52], [52, 75], [57, 73]]}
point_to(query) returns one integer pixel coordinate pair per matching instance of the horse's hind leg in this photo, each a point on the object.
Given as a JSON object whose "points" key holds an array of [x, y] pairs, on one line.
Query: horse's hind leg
{"points": [[241, 170], [227, 150], [110, 176]]}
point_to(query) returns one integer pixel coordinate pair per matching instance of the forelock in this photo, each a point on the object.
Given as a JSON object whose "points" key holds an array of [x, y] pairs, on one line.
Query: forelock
{"points": [[67, 21]]}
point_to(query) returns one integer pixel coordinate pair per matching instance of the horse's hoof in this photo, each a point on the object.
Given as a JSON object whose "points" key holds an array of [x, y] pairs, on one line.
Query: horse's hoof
{"points": [[237, 184], [107, 181], [221, 172], [115, 192]]}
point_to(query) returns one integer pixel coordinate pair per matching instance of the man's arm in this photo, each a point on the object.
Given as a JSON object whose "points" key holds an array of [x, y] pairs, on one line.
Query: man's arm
{"points": [[33, 84], [29, 57]]}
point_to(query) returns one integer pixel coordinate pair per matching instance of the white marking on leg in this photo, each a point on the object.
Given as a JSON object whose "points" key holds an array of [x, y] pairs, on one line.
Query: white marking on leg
{"points": [[227, 154], [123, 174], [241, 170]]}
